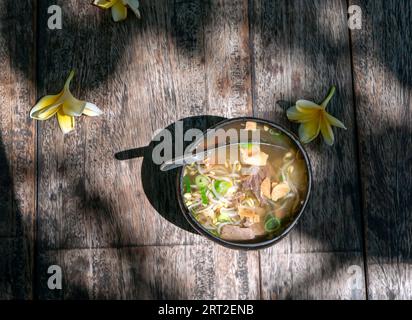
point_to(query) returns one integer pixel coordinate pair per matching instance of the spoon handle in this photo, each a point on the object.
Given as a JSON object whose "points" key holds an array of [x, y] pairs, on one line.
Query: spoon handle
{"points": [[198, 156], [183, 160]]}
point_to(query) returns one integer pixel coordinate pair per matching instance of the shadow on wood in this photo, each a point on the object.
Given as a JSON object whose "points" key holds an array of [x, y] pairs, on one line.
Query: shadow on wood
{"points": [[160, 186], [85, 24], [15, 262], [388, 201]]}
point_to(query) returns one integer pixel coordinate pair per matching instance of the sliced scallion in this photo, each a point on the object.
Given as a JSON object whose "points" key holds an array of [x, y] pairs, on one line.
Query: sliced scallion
{"points": [[272, 223]]}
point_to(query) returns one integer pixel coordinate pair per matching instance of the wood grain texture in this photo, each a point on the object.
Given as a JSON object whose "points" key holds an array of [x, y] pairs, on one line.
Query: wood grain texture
{"points": [[314, 275], [301, 48], [144, 74], [76, 201], [114, 226], [228, 58], [17, 148], [16, 268], [382, 66], [153, 272]]}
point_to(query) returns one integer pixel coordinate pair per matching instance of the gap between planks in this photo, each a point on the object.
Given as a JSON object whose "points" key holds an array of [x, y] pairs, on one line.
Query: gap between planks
{"points": [[358, 157]]}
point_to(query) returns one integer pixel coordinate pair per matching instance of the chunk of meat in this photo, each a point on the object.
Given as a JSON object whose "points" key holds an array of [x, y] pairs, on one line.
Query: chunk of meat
{"points": [[265, 188], [255, 179], [250, 125], [253, 183], [235, 233], [279, 191]]}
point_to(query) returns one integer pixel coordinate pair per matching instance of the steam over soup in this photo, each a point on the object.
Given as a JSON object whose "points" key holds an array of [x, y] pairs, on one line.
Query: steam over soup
{"points": [[254, 197]]}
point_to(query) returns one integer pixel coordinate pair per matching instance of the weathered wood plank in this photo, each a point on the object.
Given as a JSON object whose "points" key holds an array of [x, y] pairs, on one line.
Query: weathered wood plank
{"points": [[17, 148], [187, 57], [16, 268], [153, 272], [62, 218], [316, 275], [144, 75], [383, 78], [227, 58], [302, 48]]}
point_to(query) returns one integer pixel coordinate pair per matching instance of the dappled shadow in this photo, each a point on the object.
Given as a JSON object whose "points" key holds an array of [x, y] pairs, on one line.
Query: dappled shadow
{"points": [[96, 47], [7, 218], [160, 186], [90, 42], [387, 20], [388, 228], [15, 261]]}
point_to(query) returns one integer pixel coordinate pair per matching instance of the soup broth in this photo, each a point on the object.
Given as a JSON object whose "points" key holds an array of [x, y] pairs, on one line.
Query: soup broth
{"points": [[254, 197]]}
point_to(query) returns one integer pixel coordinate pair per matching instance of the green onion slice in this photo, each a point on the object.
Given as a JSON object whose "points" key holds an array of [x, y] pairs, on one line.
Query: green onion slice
{"points": [[201, 181], [186, 184], [272, 223], [222, 186], [205, 199]]}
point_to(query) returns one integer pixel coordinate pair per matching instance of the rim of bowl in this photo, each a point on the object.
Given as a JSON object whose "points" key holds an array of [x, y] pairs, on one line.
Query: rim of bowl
{"points": [[243, 245]]}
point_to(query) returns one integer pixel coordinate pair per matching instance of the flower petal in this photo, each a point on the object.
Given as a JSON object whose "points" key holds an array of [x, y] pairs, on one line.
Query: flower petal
{"points": [[73, 106], [134, 6], [92, 110], [326, 130], [119, 11], [309, 130], [66, 122], [46, 107], [307, 106], [104, 4], [334, 122], [294, 114]]}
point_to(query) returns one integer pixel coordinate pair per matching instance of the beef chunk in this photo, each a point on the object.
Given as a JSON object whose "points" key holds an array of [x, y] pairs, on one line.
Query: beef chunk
{"points": [[235, 233]]}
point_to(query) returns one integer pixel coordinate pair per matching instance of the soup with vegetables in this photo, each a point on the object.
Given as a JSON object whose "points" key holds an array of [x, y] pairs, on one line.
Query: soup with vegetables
{"points": [[253, 198]]}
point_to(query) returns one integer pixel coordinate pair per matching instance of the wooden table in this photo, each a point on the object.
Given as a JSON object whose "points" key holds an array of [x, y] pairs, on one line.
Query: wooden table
{"points": [[113, 226]]}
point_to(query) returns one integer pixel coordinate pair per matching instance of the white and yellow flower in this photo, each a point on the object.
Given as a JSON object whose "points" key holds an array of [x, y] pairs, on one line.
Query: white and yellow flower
{"points": [[119, 7], [314, 119], [65, 106]]}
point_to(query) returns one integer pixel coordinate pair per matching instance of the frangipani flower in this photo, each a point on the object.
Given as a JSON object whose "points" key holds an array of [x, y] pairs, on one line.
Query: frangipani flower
{"points": [[313, 119], [119, 9], [65, 106]]}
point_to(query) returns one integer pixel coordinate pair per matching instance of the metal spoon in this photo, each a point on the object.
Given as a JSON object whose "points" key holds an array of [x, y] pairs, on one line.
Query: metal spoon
{"points": [[199, 156]]}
